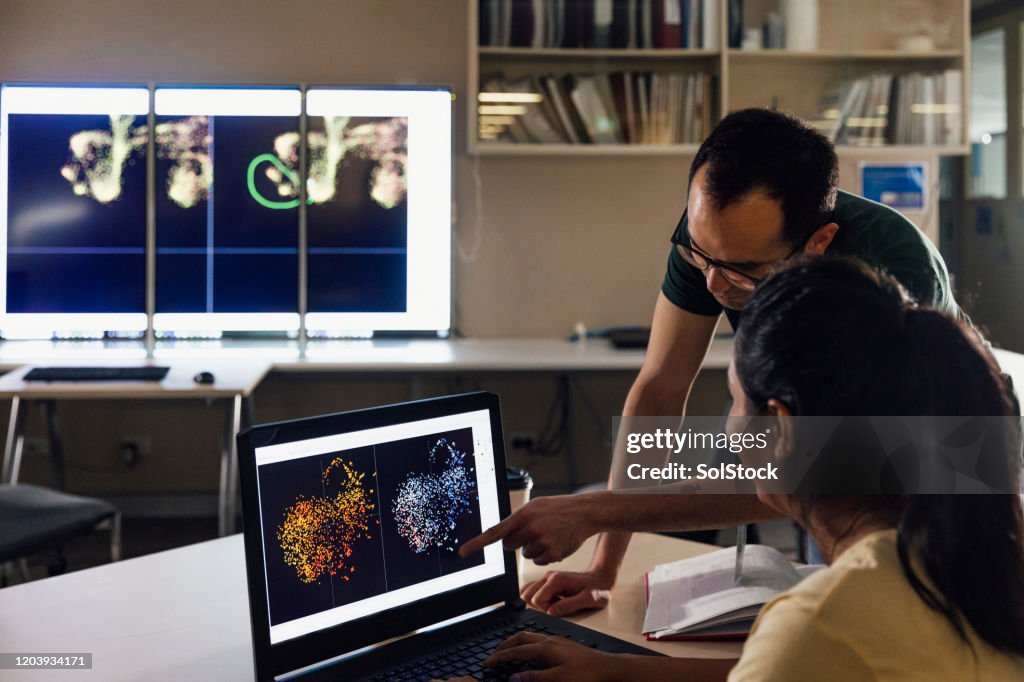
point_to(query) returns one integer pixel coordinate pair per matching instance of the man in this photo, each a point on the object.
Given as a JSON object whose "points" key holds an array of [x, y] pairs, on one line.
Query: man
{"points": [[762, 188]]}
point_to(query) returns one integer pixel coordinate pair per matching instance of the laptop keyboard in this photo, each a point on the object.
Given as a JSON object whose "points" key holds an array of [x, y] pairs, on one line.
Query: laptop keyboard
{"points": [[466, 658]]}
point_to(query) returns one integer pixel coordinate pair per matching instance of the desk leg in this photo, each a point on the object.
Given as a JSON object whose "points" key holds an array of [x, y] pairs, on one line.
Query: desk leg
{"points": [[56, 447], [15, 443], [229, 466], [572, 468]]}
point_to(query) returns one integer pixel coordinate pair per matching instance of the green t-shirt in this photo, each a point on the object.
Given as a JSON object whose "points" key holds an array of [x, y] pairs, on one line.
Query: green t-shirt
{"points": [[877, 234]]}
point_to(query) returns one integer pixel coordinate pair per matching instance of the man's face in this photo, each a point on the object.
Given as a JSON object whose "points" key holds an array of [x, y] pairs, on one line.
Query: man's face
{"points": [[745, 235]]}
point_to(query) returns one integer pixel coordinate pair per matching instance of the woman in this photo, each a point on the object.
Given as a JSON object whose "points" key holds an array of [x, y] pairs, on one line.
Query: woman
{"points": [[922, 587]]}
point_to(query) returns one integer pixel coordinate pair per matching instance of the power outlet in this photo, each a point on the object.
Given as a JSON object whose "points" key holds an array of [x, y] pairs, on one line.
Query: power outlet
{"points": [[133, 448]]}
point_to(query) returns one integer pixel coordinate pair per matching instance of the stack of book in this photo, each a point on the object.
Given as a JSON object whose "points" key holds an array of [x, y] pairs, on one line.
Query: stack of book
{"points": [[653, 108], [883, 109], [626, 24]]}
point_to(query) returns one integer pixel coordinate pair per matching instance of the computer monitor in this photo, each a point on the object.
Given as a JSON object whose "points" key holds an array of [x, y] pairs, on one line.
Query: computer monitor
{"points": [[227, 231], [72, 210], [380, 206]]}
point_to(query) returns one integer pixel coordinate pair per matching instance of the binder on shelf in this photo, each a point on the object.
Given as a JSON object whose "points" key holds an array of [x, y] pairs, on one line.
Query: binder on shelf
{"points": [[647, 23], [601, 23], [668, 24], [577, 14], [523, 27], [709, 29], [735, 27]]}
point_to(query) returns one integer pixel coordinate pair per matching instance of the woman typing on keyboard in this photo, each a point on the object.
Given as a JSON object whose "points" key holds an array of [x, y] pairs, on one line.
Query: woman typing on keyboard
{"points": [[919, 587]]}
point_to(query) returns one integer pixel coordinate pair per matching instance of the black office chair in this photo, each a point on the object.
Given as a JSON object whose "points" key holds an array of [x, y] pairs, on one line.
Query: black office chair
{"points": [[34, 519]]}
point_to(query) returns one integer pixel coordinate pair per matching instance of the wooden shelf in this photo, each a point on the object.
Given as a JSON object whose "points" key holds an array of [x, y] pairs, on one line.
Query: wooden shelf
{"points": [[793, 80], [581, 53], [902, 151], [823, 55], [507, 149]]}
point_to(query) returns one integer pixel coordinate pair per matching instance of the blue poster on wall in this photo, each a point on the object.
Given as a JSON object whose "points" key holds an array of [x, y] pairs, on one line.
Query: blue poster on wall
{"points": [[897, 185]]}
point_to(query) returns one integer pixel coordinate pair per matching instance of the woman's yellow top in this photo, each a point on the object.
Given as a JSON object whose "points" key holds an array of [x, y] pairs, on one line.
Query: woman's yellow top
{"points": [[860, 619]]}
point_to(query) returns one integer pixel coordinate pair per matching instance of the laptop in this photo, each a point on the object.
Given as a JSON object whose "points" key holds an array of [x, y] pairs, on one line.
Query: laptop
{"points": [[352, 524]]}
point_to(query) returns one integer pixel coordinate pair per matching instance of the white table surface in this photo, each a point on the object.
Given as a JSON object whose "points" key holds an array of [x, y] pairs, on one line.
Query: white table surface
{"points": [[385, 355], [231, 377], [184, 615]]}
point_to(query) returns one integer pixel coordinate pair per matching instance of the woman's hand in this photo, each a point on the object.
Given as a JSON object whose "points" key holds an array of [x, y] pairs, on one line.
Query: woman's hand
{"points": [[561, 658]]}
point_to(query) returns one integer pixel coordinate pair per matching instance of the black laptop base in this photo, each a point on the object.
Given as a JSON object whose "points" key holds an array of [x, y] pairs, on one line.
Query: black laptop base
{"points": [[460, 649]]}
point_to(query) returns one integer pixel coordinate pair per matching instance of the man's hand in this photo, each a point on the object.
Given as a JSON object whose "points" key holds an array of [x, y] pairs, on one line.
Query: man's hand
{"points": [[547, 529], [561, 659], [561, 593]]}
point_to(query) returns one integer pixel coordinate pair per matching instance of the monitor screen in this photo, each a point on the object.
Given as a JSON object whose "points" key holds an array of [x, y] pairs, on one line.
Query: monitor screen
{"points": [[356, 523], [73, 210], [226, 220], [379, 216]]}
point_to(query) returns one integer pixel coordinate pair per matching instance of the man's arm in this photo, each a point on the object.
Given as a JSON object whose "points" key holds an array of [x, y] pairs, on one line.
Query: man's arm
{"points": [[679, 341], [551, 528]]}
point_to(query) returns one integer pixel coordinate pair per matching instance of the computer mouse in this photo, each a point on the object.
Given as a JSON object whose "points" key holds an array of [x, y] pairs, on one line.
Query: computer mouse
{"points": [[203, 378]]}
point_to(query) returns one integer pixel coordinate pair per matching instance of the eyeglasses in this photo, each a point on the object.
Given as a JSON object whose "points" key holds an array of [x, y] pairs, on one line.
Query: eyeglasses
{"points": [[702, 261]]}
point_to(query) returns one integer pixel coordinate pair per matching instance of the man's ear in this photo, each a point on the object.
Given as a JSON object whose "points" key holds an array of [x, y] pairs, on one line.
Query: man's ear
{"points": [[821, 238]]}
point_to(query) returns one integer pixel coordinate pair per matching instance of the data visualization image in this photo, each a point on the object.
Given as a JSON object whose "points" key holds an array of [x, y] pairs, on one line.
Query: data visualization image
{"points": [[358, 214], [226, 236], [350, 525], [76, 213], [220, 249]]}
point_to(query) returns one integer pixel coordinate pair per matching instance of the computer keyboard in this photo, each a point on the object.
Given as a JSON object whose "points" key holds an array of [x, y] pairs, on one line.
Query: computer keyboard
{"points": [[465, 659], [140, 373]]}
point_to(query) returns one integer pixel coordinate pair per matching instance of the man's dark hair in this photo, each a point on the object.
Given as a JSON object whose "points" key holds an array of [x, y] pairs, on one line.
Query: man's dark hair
{"points": [[758, 149]]}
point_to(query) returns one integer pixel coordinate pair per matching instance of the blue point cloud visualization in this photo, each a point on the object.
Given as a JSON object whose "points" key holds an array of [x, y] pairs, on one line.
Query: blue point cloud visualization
{"points": [[227, 193]]}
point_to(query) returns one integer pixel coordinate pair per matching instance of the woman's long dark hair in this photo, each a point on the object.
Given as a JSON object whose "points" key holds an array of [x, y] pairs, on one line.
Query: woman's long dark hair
{"points": [[831, 337]]}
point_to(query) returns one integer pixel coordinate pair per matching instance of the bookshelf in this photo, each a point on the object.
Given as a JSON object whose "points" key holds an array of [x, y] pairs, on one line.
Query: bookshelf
{"points": [[919, 47]]}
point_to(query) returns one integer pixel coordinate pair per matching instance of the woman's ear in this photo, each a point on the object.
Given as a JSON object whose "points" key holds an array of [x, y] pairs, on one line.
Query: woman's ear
{"points": [[780, 418], [777, 408]]}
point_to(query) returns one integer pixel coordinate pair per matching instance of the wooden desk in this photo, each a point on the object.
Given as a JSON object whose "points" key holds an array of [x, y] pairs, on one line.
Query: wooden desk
{"points": [[235, 381], [184, 614], [624, 615]]}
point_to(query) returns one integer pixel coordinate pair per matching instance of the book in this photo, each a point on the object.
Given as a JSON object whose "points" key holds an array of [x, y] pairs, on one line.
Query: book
{"points": [[553, 92], [734, 30], [668, 22], [698, 598], [602, 20], [601, 124], [709, 10], [952, 116], [540, 121]]}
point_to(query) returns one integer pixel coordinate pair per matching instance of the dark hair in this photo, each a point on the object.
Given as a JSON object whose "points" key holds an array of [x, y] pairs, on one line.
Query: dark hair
{"points": [[758, 149], [829, 336]]}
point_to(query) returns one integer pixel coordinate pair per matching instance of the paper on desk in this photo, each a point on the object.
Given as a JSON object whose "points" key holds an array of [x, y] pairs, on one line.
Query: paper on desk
{"points": [[701, 590]]}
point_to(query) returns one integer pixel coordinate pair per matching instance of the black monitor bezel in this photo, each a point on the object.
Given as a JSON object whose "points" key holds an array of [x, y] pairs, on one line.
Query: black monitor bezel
{"points": [[271, 660]]}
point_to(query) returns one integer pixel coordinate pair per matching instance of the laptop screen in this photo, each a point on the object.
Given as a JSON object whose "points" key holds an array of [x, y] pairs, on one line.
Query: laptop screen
{"points": [[356, 523]]}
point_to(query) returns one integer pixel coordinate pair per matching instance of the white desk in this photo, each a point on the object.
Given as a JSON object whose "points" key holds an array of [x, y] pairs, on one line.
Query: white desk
{"points": [[357, 356], [184, 614], [410, 358], [234, 382]]}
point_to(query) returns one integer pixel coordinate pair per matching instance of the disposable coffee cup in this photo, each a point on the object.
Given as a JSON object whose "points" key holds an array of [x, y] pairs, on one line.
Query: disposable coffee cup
{"points": [[519, 485]]}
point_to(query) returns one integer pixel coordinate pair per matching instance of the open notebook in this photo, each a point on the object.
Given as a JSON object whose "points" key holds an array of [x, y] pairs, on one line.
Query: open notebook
{"points": [[697, 598]]}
